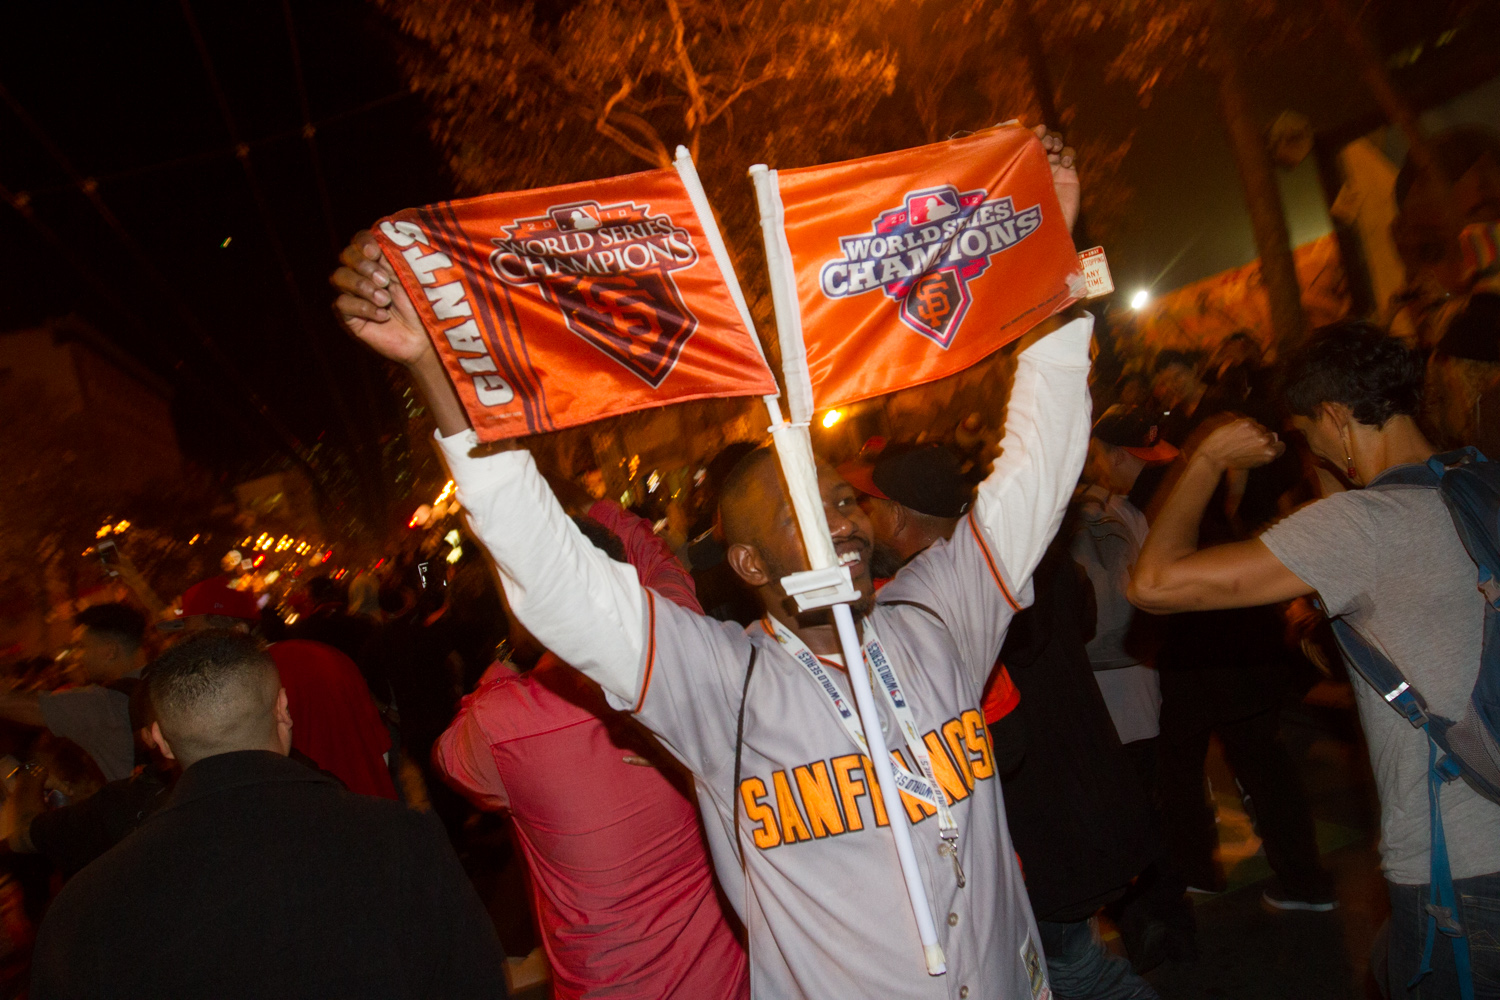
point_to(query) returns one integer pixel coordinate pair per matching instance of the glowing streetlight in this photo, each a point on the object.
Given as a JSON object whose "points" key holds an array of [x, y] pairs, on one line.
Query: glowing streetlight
{"points": [[1139, 300], [832, 417]]}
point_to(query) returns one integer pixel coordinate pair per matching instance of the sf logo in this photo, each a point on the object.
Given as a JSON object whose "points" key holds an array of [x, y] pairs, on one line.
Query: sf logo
{"points": [[931, 302], [637, 319], [621, 313]]}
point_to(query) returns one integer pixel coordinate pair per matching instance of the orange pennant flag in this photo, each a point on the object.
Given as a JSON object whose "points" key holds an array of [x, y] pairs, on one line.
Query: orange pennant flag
{"points": [[559, 306], [914, 265]]}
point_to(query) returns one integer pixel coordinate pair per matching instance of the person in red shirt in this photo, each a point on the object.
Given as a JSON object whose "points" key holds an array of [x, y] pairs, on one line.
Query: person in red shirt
{"points": [[335, 721], [621, 881]]}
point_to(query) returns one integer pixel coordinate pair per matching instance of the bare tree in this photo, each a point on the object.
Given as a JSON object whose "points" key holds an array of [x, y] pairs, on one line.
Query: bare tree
{"points": [[522, 101]]}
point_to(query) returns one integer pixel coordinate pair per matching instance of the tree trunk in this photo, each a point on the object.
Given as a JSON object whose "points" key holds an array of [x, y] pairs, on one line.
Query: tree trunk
{"points": [[1262, 196]]}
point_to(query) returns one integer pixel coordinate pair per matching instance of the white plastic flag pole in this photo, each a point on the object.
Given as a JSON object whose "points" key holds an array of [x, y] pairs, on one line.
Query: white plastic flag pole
{"points": [[688, 171], [819, 588]]}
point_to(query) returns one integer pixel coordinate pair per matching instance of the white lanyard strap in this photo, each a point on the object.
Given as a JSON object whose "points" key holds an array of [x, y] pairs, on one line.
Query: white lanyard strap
{"points": [[923, 787]]}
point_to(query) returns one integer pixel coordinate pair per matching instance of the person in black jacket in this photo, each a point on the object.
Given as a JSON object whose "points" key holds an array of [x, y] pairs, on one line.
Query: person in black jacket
{"points": [[1079, 819], [261, 877]]}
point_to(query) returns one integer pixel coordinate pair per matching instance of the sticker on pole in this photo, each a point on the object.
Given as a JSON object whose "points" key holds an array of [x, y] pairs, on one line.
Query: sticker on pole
{"points": [[1096, 273]]}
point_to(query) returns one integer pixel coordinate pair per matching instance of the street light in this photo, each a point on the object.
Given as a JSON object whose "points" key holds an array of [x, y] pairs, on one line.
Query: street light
{"points": [[832, 417], [1139, 300]]}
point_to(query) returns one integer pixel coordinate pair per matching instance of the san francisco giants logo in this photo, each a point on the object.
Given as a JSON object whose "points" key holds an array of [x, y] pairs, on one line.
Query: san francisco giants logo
{"points": [[929, 299], [623, 315]]}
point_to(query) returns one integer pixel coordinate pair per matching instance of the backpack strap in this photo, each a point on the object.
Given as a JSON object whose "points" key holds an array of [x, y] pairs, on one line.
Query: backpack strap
{"points": [[1380, 673], [739, 745], [1442, 899], [1442, 907]]}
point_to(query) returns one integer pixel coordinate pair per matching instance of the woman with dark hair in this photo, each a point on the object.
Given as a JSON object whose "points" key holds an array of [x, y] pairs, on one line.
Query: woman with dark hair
{"points": [[1389, 561]]}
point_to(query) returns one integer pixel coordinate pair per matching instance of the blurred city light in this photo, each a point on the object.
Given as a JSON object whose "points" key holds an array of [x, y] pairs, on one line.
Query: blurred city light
{"points": [[832, 417], [1140, 299]]}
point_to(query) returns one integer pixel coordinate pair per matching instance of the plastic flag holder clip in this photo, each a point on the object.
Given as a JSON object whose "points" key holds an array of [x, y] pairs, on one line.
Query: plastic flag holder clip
{"points": [[820, 588]]}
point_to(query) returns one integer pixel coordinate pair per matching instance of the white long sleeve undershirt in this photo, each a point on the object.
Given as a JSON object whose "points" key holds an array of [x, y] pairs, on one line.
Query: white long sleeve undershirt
{"points": [[591, 611]]}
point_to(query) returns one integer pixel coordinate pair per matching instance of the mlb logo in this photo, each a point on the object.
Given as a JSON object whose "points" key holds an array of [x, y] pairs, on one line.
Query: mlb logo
{"points": [[931, 207], [572, 218]]}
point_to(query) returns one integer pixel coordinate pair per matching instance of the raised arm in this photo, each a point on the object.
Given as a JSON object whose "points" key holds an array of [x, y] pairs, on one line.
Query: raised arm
{"points": [[1173, 574], [1021, 503], [583, 606]]}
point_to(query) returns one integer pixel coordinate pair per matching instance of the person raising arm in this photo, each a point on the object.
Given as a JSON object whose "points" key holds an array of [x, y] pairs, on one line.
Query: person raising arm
{"points": [[792, 813], [1387, 559], [1172, 574]]}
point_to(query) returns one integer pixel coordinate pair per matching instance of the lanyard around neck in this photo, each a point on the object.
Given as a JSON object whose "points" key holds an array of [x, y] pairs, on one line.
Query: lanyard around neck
{"points": [[923, 787]]}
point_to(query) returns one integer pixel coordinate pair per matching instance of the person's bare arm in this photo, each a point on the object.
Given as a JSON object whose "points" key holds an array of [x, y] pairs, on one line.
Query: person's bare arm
{"points": [[22, 707], [1173, 574]]}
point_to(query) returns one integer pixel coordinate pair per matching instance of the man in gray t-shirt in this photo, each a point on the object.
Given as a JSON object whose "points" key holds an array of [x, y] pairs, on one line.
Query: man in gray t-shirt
{"points": [[109, 642], [1389, 561]]}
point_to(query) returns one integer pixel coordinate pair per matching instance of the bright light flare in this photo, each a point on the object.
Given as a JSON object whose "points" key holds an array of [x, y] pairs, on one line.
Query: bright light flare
{"points": [[1140, 299], [832, 417]]}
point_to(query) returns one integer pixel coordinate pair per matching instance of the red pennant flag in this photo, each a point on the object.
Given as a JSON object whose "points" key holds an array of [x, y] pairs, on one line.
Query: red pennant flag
{"points": [[914, 265], [559, 306]]}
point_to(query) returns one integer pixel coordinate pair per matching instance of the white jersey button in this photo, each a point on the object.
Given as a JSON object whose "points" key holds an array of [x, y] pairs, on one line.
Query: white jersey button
{"points": [[953, 920]]}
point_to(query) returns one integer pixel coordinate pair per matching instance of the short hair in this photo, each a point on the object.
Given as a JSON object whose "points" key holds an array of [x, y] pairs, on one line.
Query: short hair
{"points": [[1455, 152], [120, 622], [214, 692], [736, 507], [1172, 356], [1358, 364]]}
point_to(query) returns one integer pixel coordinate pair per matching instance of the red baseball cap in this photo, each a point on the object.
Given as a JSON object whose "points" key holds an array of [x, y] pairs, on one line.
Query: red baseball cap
{"points": [[214, 596], [1135, 430], [861, 475]]}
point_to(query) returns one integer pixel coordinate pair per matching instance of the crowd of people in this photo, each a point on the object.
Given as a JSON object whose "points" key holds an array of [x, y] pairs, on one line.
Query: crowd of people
{"points": [[214, 803]]}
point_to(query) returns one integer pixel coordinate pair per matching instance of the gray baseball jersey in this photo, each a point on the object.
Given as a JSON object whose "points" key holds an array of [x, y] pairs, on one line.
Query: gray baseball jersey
{"points": [[821, 891]]}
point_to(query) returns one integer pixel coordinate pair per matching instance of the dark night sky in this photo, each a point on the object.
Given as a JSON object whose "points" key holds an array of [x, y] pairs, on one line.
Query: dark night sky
{"points": [[122, 91]]}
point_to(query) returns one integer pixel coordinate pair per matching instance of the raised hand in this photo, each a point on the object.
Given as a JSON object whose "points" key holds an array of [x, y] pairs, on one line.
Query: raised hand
{"points": [[1240, 444], [373, 305], [375, 308], [1064, 163]]}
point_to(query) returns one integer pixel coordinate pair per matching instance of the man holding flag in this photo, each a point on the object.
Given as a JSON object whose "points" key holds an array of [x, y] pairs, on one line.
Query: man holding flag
{"points": [[763, 717]]}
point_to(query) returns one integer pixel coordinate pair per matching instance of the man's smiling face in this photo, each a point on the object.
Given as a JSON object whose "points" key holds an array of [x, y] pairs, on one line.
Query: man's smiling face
{"points": [[771, 543]]}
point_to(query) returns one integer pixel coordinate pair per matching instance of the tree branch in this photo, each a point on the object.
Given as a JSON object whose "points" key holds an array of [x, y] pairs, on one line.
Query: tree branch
{"points": [[655, 153], [766, 77], [697, 115]]}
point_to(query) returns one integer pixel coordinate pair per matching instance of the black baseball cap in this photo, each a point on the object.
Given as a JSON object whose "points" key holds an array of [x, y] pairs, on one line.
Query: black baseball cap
{"points": [[925, 478], [1134, 429]]}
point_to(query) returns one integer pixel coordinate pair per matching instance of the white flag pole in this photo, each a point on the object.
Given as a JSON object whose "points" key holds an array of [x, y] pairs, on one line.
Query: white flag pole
{"points": [[688, 171], [819, 588]]}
